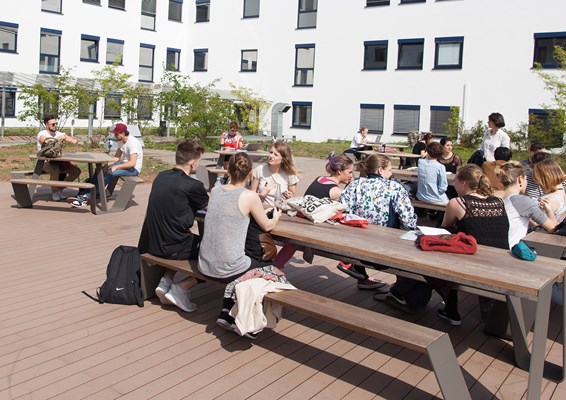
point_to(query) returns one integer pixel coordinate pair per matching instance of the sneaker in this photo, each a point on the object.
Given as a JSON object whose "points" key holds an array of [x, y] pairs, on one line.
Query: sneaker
{"points": [[55, 196], [62, 195], [226, 321], [81, 201], [180, 298], [349, 269], [369, 283], [453, 318], [398, 301], [162, 289], [250, 335]]}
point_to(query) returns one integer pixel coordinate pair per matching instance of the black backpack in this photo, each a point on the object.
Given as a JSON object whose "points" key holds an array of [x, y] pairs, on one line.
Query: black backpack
{"points": [[122, 285]]}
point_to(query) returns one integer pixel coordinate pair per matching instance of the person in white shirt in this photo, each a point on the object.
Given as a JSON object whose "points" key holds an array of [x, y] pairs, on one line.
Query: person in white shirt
{"points": [[54, 168], [359, 142], [494, 137], [129, 159]]}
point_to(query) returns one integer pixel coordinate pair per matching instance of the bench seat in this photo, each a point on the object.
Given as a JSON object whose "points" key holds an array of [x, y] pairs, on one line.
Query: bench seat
{"points": [[25, 187], [24, 173], [435, 344]]}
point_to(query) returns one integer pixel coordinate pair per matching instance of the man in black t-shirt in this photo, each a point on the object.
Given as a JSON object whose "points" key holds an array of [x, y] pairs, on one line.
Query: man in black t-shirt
{"points": [[173, 202]]}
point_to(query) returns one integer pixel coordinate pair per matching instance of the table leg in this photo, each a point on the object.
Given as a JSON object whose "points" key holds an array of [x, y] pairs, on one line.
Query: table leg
{"points": [[99, 172]]}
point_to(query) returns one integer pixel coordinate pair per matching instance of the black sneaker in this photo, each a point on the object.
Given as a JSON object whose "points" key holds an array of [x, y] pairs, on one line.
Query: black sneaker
{"points": [[398, 301], [453, 318], [349, 269], [250, 335], [226, 321]]}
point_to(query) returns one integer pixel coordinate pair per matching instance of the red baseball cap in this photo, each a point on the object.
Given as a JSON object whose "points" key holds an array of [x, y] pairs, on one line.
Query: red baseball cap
{"points": [[119, 128]]}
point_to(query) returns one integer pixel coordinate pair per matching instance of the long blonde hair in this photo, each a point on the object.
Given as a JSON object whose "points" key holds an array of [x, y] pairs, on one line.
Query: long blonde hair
{"points": [[475, 178], [287, 161], [548, 175], [372, 163]]}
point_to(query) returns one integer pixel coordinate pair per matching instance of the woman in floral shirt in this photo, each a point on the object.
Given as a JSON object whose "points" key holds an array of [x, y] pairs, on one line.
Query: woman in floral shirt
{"points": [[375, 197]]}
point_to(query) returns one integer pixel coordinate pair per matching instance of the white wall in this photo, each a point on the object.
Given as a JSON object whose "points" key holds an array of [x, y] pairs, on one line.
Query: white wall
{"points": [[498, 53]]}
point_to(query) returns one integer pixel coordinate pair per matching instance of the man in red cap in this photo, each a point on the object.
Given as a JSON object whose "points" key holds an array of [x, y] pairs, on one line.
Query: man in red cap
{"points": [[129, 159]]}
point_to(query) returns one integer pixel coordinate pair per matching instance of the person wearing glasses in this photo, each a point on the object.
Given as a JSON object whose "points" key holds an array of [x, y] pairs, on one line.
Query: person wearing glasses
{"points": [[231, 140], [57, 170]]}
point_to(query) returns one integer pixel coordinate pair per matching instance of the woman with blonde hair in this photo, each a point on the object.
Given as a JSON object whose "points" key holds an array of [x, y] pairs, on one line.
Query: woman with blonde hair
{"points": [[549, 176], [277, 179]]}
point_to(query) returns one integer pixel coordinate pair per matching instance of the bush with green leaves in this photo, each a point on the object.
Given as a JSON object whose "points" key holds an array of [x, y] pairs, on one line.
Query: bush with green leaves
{"points": [[473, 137]]}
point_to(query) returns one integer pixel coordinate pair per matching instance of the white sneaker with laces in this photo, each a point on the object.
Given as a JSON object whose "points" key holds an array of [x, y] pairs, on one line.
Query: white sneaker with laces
{"points": [[162, 289], [181, 298], [81, 201]]}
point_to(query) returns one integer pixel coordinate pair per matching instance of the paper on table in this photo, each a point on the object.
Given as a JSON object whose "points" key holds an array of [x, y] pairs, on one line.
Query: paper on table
{"points": [[427, 230], [411, 235]]}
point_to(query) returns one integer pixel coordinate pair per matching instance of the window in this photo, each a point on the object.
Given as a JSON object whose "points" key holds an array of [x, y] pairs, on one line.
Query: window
{"points": [[304, 64], [8, 37], [89, 48], [544, 48], [173, 59], [371, 116], [448, 54], [113, 106], [406, 119], [51, 6], [146, 62], [372, 3], [307, 14], [148, 15], [97, 2], [439, 116], [10, 105], [84, 109], [118, 4], [251, 8], [145, 107], [49, 105], [49, 51], [302, 112], [410, 54], [249, 61], [115, 51], [203, 10], [547, 127], [375, 54], [411, 1], [201, 60], [176, 10]]}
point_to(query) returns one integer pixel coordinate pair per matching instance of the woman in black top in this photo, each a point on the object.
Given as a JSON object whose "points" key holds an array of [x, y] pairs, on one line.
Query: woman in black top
{"points": [[420, 147], [449, 159]]}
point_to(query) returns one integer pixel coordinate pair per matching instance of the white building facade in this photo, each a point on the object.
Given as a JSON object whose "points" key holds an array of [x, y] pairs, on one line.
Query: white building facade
{"points": [[391, 65]]}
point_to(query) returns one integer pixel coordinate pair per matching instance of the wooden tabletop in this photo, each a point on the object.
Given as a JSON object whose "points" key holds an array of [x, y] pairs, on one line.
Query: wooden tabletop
{"points": [[390, 153], [492, 269], [255, 153], [413, 175], [88, 157]]}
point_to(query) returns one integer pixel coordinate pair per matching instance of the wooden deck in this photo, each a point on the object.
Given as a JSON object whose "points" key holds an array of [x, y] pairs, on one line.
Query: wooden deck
{"points": [[55, 342]]}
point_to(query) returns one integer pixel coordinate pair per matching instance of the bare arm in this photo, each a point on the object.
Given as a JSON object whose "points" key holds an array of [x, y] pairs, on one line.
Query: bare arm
{"points": [[126, 165], [250, 203], [454, 212]]}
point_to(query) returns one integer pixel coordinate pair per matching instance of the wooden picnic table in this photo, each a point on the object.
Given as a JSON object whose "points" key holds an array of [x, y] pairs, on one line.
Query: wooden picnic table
{"points": [[490, 269], [253, 153], [413, 175], [547, 244], [378, 146]]}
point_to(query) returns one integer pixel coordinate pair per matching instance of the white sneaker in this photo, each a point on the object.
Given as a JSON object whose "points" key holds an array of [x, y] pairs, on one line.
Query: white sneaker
{"points": [[162, 289], [181, 298], [55, 196]]}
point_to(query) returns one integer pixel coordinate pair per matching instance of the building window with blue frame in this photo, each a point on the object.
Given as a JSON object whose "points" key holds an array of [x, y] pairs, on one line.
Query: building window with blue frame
{"points": [[146, 62], [201, 60], [49, 51], [304, 64], [307, 14], [544, 48], [117, 4], [410, 54], [373, 3], [302, 113], [449, 52], [113, 106], [8, 37], [148, 14], [145, 107], [375, 54], [115, 51], [406, 118], [9, 106], [411, 1], [173, 59], [371, 117], [249, 61], [551, 122], [95, 2], [89, 48], [439, 117], [84, 109], [176, 10], [53, 6], [251, 8], [202, 10]]}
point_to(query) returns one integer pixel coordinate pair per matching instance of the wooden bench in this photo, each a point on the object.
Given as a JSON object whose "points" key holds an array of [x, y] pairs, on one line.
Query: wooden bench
{"points": [[431, 206], [127, 189], [24, 174], [435, 344], [25, 187]]}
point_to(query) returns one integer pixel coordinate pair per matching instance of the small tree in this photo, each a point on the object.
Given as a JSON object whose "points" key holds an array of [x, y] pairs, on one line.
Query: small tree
{"points": [[473, 137], [253, 109], [453, 127]]}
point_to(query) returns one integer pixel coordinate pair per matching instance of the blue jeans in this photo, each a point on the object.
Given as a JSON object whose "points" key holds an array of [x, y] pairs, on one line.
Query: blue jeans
{"points": [[115, 174], [558, 293]]}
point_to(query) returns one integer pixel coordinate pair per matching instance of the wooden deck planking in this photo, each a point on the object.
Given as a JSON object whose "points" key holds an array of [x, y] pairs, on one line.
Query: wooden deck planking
{"points": [[57, 343]]}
